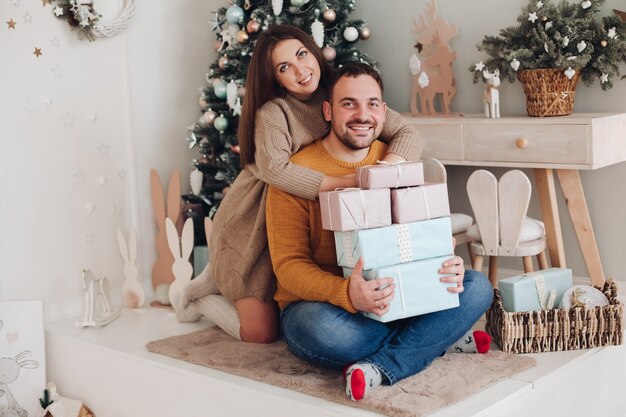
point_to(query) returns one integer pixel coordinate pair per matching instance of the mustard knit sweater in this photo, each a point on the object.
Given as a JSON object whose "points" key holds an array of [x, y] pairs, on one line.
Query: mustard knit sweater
{"points": [[303, 254]]}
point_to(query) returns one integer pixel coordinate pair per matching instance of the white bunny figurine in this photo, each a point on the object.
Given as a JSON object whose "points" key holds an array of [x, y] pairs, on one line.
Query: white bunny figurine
{"points": [[133, 295], [181, 249]]}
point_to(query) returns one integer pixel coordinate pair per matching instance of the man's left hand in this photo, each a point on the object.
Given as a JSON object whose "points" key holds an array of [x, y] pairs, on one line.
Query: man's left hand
{"points": [[456, 270]]}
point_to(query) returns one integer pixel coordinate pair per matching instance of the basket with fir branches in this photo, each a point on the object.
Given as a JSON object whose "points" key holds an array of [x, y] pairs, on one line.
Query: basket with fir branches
{"points": [[552, 47]]}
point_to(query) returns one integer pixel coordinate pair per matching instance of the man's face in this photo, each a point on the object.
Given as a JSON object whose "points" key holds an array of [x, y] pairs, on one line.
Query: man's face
{"points": [[356, 111]]}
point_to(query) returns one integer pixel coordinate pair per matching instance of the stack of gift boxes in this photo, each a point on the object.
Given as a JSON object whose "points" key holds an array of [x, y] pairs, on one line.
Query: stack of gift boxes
{"points": [[401, 228]]}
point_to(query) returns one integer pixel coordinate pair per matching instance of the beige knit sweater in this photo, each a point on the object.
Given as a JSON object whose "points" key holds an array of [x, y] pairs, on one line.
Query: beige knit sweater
{"points": [[240, 261]]}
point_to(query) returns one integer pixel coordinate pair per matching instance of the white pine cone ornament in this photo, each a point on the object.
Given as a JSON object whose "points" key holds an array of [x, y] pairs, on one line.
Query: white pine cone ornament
{"points": [[317, 30], [195, 180], [277, 6], [231, 94]]}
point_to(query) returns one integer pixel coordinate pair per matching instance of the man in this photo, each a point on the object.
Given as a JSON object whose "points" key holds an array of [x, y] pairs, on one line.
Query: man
{"points": [[319, 318]]}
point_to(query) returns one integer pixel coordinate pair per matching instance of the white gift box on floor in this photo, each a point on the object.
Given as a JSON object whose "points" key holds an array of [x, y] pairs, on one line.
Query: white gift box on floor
{"points": [[352, 209], [424, 202], [532, 291], [418, 289], [395, 244]]}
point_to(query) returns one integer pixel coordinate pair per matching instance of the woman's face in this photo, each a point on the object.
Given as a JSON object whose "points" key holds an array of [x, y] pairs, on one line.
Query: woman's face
{"points": [[296, 68]]}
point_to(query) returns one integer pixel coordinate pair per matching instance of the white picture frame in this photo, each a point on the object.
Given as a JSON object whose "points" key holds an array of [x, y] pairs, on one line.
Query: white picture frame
{"points": [[22, 357]]}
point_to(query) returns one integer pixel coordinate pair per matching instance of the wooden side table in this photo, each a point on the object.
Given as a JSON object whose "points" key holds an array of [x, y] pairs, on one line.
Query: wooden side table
{"points": [[565, 145]]}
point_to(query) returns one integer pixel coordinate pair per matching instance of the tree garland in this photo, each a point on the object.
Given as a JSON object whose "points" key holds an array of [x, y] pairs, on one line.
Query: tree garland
{"points": [[81, 16]]}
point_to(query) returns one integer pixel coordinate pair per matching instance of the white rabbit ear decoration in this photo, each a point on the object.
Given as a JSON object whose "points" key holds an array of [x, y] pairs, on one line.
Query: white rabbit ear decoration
{"points": [[181, 248], [133, 295]]}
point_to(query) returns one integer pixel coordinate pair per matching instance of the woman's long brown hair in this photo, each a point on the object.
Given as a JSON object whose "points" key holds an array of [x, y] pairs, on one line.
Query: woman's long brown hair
{"points": [[261, 85]]}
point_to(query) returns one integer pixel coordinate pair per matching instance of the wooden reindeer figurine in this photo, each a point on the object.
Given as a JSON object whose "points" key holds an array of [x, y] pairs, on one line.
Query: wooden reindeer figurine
{"points": [[96, 290], [491, 95], [433, 75]]}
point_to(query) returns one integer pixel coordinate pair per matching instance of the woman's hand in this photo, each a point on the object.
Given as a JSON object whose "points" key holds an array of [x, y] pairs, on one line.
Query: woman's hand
{"points": [[455, 270], [372, 296]]}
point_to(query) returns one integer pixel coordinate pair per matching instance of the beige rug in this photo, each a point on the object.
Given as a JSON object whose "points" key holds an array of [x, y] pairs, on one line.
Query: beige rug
{"points": [[446, 381]]}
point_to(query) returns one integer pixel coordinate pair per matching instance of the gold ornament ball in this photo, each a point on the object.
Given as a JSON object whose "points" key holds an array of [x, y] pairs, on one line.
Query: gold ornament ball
{"points": [[253, 26], [241, 91], [203, 159], [222, 62], [209, 116], [365, 33], [604, 43], [329, 53], [242, 36], [217, 45], [329, 15]]}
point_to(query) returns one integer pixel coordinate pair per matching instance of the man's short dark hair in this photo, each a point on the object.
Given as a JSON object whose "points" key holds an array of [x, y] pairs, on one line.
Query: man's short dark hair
{"points": [[354, 69]]}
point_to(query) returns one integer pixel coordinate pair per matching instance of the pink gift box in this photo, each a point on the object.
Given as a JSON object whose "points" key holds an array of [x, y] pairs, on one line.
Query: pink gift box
{"points": [[355, 209], [425, 202], [404, 174]]}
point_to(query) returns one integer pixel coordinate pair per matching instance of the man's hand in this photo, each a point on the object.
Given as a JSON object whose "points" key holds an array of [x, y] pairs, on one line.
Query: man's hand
{"points": [[455, 268], [371, 296]]}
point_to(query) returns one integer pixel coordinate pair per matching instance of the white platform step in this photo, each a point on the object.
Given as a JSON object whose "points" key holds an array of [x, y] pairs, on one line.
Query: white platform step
{"points": [[112, 372]]}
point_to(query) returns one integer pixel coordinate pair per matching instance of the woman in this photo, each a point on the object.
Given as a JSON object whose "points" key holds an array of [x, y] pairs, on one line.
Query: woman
{"points": [[282, 112]]}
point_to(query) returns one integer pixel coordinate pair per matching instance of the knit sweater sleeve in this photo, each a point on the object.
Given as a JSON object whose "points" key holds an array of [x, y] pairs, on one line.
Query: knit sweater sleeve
{"points": [[274, 147], [402, 137], [288, 234]]}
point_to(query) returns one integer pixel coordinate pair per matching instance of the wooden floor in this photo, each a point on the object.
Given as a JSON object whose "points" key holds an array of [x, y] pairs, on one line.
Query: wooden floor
{"points": [[110, 369]]}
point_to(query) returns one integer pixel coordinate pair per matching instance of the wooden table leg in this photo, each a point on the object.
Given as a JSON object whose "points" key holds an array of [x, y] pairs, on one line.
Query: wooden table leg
{"points": [[578, 211], [547, 199]]}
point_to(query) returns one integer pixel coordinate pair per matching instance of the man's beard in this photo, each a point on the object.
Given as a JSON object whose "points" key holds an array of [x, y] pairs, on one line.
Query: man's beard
{"points": [[354, 144]]}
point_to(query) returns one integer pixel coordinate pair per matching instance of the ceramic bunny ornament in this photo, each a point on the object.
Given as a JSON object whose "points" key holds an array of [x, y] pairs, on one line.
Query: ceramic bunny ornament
{"points": [[133, 295], [181, 249], [162, 270]]}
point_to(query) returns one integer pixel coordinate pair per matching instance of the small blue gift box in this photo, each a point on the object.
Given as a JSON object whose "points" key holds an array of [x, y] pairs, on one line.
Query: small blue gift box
{"points": [[418, 289], [395, 244], [537, 290]]}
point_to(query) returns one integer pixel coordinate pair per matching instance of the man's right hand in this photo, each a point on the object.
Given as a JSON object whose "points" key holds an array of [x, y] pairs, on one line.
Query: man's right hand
{"points": [[372, 296]]}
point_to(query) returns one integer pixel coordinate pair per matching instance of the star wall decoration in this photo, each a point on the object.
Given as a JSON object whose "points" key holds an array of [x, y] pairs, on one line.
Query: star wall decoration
{"points": [[27, 18], [68, 121], [30, 105], [79, 177], [15, 2], [11, 24], [38, 52], [55, 42], [103, 150]]}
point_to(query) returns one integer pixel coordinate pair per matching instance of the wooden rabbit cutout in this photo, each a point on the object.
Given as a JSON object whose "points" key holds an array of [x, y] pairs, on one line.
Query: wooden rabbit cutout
{"points": [[133, 295], [181, 249], [491, 96], [162, 270]]}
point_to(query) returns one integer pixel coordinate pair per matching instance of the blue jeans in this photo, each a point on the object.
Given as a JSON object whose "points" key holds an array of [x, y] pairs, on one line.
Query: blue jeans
{"points": [[327, 335]]}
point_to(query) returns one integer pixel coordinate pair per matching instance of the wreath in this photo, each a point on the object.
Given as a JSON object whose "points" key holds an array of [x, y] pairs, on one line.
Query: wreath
{"points": [[83, 18]]}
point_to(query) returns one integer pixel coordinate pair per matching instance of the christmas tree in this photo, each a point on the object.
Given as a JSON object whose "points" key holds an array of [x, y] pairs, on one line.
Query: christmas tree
{"points": [[237, 27]]}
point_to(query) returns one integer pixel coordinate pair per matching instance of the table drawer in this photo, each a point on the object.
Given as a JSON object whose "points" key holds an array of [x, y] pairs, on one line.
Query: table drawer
{"points": [[559, 144], [443, 142]]}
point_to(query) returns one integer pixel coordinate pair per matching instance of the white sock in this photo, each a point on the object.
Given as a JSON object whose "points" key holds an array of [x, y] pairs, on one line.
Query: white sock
{"points": [[360, 378], [473, 341], [203, 284], [220, 311]]}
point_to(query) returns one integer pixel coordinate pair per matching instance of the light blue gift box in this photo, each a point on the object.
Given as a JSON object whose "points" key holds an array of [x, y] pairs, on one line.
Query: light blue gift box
{"points": [[395, 244], [418, 289], [522, 293]]}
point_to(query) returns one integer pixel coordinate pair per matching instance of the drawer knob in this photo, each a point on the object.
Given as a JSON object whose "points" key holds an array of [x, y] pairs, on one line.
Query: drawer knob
{"points": [[521, 143]]}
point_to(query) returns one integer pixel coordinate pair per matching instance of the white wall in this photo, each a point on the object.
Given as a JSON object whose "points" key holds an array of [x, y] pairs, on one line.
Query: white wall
{"points": [[85, 113], [141, 87]]}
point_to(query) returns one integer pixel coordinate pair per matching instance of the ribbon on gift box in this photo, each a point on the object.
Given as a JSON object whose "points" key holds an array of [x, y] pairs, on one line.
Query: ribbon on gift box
{"points": [[398, 170], [546, 302]]}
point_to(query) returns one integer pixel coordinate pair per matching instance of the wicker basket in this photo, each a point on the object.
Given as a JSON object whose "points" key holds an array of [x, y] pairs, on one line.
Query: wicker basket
{"points": [[548, 91], [558, 329]]}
